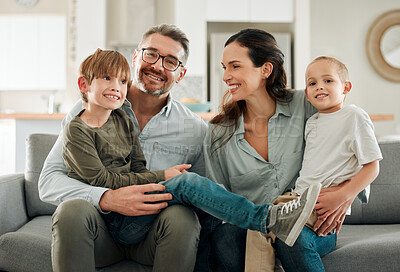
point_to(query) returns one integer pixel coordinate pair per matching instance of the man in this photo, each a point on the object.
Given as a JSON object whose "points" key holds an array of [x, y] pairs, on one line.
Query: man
{"points": [[169, 134]]}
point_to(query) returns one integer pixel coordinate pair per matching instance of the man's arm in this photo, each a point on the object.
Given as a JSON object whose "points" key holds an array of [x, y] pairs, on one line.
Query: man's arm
{"points": [[133, 200], [55, 186]]}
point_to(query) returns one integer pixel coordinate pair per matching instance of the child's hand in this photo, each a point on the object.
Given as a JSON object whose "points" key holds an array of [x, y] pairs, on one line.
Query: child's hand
{"points": [[176, 170]]}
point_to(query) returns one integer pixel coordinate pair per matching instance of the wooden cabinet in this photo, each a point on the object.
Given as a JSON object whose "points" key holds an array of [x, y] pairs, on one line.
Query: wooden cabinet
{"points": [[14, 128], [7, 146]]}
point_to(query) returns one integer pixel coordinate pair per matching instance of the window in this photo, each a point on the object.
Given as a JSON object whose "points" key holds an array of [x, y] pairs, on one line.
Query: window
{"points": [[33, 52]]}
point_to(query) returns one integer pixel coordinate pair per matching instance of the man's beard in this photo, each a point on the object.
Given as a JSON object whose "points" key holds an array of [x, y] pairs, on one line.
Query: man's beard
{"points": [[141, 87]]}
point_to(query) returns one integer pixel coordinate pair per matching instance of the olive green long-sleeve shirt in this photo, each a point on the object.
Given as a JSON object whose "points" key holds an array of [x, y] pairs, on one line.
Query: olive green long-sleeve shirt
{"points": [[109, 156]]}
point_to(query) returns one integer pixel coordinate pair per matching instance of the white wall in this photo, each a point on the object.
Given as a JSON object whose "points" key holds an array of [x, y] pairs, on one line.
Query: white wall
{"points": [[190, 17], [22, 101], [90, 34], [339, 29]]}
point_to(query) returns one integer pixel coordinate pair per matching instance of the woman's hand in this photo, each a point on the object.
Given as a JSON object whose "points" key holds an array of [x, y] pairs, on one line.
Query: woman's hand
{"points": [[331, 208], [329, 201], [327, 222]]}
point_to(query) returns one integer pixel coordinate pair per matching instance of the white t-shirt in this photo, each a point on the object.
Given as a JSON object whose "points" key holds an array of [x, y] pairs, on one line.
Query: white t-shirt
{"points": [[337, 145]]}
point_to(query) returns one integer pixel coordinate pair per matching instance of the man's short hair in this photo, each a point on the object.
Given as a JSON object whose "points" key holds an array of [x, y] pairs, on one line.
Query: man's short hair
{"points": [[172, 32]]}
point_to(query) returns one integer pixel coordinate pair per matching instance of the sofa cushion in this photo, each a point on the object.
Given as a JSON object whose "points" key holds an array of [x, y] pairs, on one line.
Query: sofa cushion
{"points": [[29, 248], [384, 197], [365, 248], [38, 147]]}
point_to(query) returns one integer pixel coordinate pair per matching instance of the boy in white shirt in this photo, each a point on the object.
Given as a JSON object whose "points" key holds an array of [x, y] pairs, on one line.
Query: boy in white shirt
{"points": [[341, 154]]}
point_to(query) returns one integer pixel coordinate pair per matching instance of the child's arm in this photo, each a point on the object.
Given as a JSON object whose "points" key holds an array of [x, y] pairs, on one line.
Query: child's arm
{"points": [[331, 199], [81, 156]]}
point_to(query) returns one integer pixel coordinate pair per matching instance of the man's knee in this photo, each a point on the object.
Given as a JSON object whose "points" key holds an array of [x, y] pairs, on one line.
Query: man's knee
{"points": [[74, 213], [180, 221]]}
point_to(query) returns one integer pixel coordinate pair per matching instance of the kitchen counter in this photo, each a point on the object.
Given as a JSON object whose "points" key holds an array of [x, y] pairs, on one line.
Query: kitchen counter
{"points": [[374, 117], [204, 115], [33, 116]]}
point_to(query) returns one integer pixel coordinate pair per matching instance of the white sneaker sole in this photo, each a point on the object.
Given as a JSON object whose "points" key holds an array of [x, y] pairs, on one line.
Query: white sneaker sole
{"points": [[312, 196]]}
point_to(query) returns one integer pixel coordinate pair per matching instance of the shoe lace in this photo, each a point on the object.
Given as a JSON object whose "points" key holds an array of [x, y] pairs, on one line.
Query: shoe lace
{"points": [[289, 206]]}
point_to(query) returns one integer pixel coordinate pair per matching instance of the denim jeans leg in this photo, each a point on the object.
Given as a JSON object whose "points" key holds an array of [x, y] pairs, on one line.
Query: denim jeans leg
{"points": [[307, 251], [229, 247], [199, 192], [128, 229], [205, 258]]}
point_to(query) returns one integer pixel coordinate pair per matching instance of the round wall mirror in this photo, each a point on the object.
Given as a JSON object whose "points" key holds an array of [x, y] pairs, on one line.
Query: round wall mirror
{"points": [[383, 45]]}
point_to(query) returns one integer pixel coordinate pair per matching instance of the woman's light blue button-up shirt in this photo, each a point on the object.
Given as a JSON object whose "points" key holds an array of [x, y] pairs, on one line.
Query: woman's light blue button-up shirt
{"points": [[238, 166]]}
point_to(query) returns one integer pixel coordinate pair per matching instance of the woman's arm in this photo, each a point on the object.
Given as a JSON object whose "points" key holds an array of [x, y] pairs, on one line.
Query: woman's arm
{"points": [[213, 167]]}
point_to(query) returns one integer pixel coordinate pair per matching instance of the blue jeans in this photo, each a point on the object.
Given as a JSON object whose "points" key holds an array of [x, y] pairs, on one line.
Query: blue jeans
{"points": [[205, 259], [307, 251], [229, 243], [197, 192]]}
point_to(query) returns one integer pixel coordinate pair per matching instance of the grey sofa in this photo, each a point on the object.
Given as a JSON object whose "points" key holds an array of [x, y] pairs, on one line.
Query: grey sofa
{"points": [[369, 240], [25, 221]]}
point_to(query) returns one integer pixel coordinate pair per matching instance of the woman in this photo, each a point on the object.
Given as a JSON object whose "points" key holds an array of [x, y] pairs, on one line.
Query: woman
{"points": [[254, 147]]}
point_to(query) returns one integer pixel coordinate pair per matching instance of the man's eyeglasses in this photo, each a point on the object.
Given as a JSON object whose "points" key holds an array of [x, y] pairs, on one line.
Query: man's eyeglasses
{"points": [[151, 56]]}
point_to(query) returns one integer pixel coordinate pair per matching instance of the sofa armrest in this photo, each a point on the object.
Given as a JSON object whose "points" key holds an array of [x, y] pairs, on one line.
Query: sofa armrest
{"points": [[12, 203]]}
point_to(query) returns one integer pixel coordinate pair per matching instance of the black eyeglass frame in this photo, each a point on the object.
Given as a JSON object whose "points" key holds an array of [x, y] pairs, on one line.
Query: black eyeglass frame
{"points": [[180, 63]]}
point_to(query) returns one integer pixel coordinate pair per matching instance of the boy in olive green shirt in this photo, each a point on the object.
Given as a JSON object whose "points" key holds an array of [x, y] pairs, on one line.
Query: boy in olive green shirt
{"points": [[100, 145]]}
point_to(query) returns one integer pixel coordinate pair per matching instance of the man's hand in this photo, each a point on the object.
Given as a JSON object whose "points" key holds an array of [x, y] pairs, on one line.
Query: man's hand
{"points": [[176, 170], [133, 200]]}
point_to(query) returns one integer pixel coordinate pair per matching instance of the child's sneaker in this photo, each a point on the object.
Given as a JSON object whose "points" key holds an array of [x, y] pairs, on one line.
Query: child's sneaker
{"points": [[287, 221]]}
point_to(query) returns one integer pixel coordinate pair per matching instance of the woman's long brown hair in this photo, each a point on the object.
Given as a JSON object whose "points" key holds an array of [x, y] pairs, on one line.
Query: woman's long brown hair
{"points": [[262, 48]]}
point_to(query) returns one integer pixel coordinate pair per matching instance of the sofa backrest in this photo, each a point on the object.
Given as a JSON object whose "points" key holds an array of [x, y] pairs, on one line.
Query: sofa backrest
{"points": [[384, 201], [382, 207], [38, 147]]}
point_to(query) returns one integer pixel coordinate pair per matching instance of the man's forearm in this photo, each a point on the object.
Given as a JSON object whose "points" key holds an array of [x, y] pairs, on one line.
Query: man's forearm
{"points": [[54, 184]]}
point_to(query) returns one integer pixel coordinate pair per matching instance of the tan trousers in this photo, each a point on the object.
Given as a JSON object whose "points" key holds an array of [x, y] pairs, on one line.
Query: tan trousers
{"points": [[260, 254]]}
